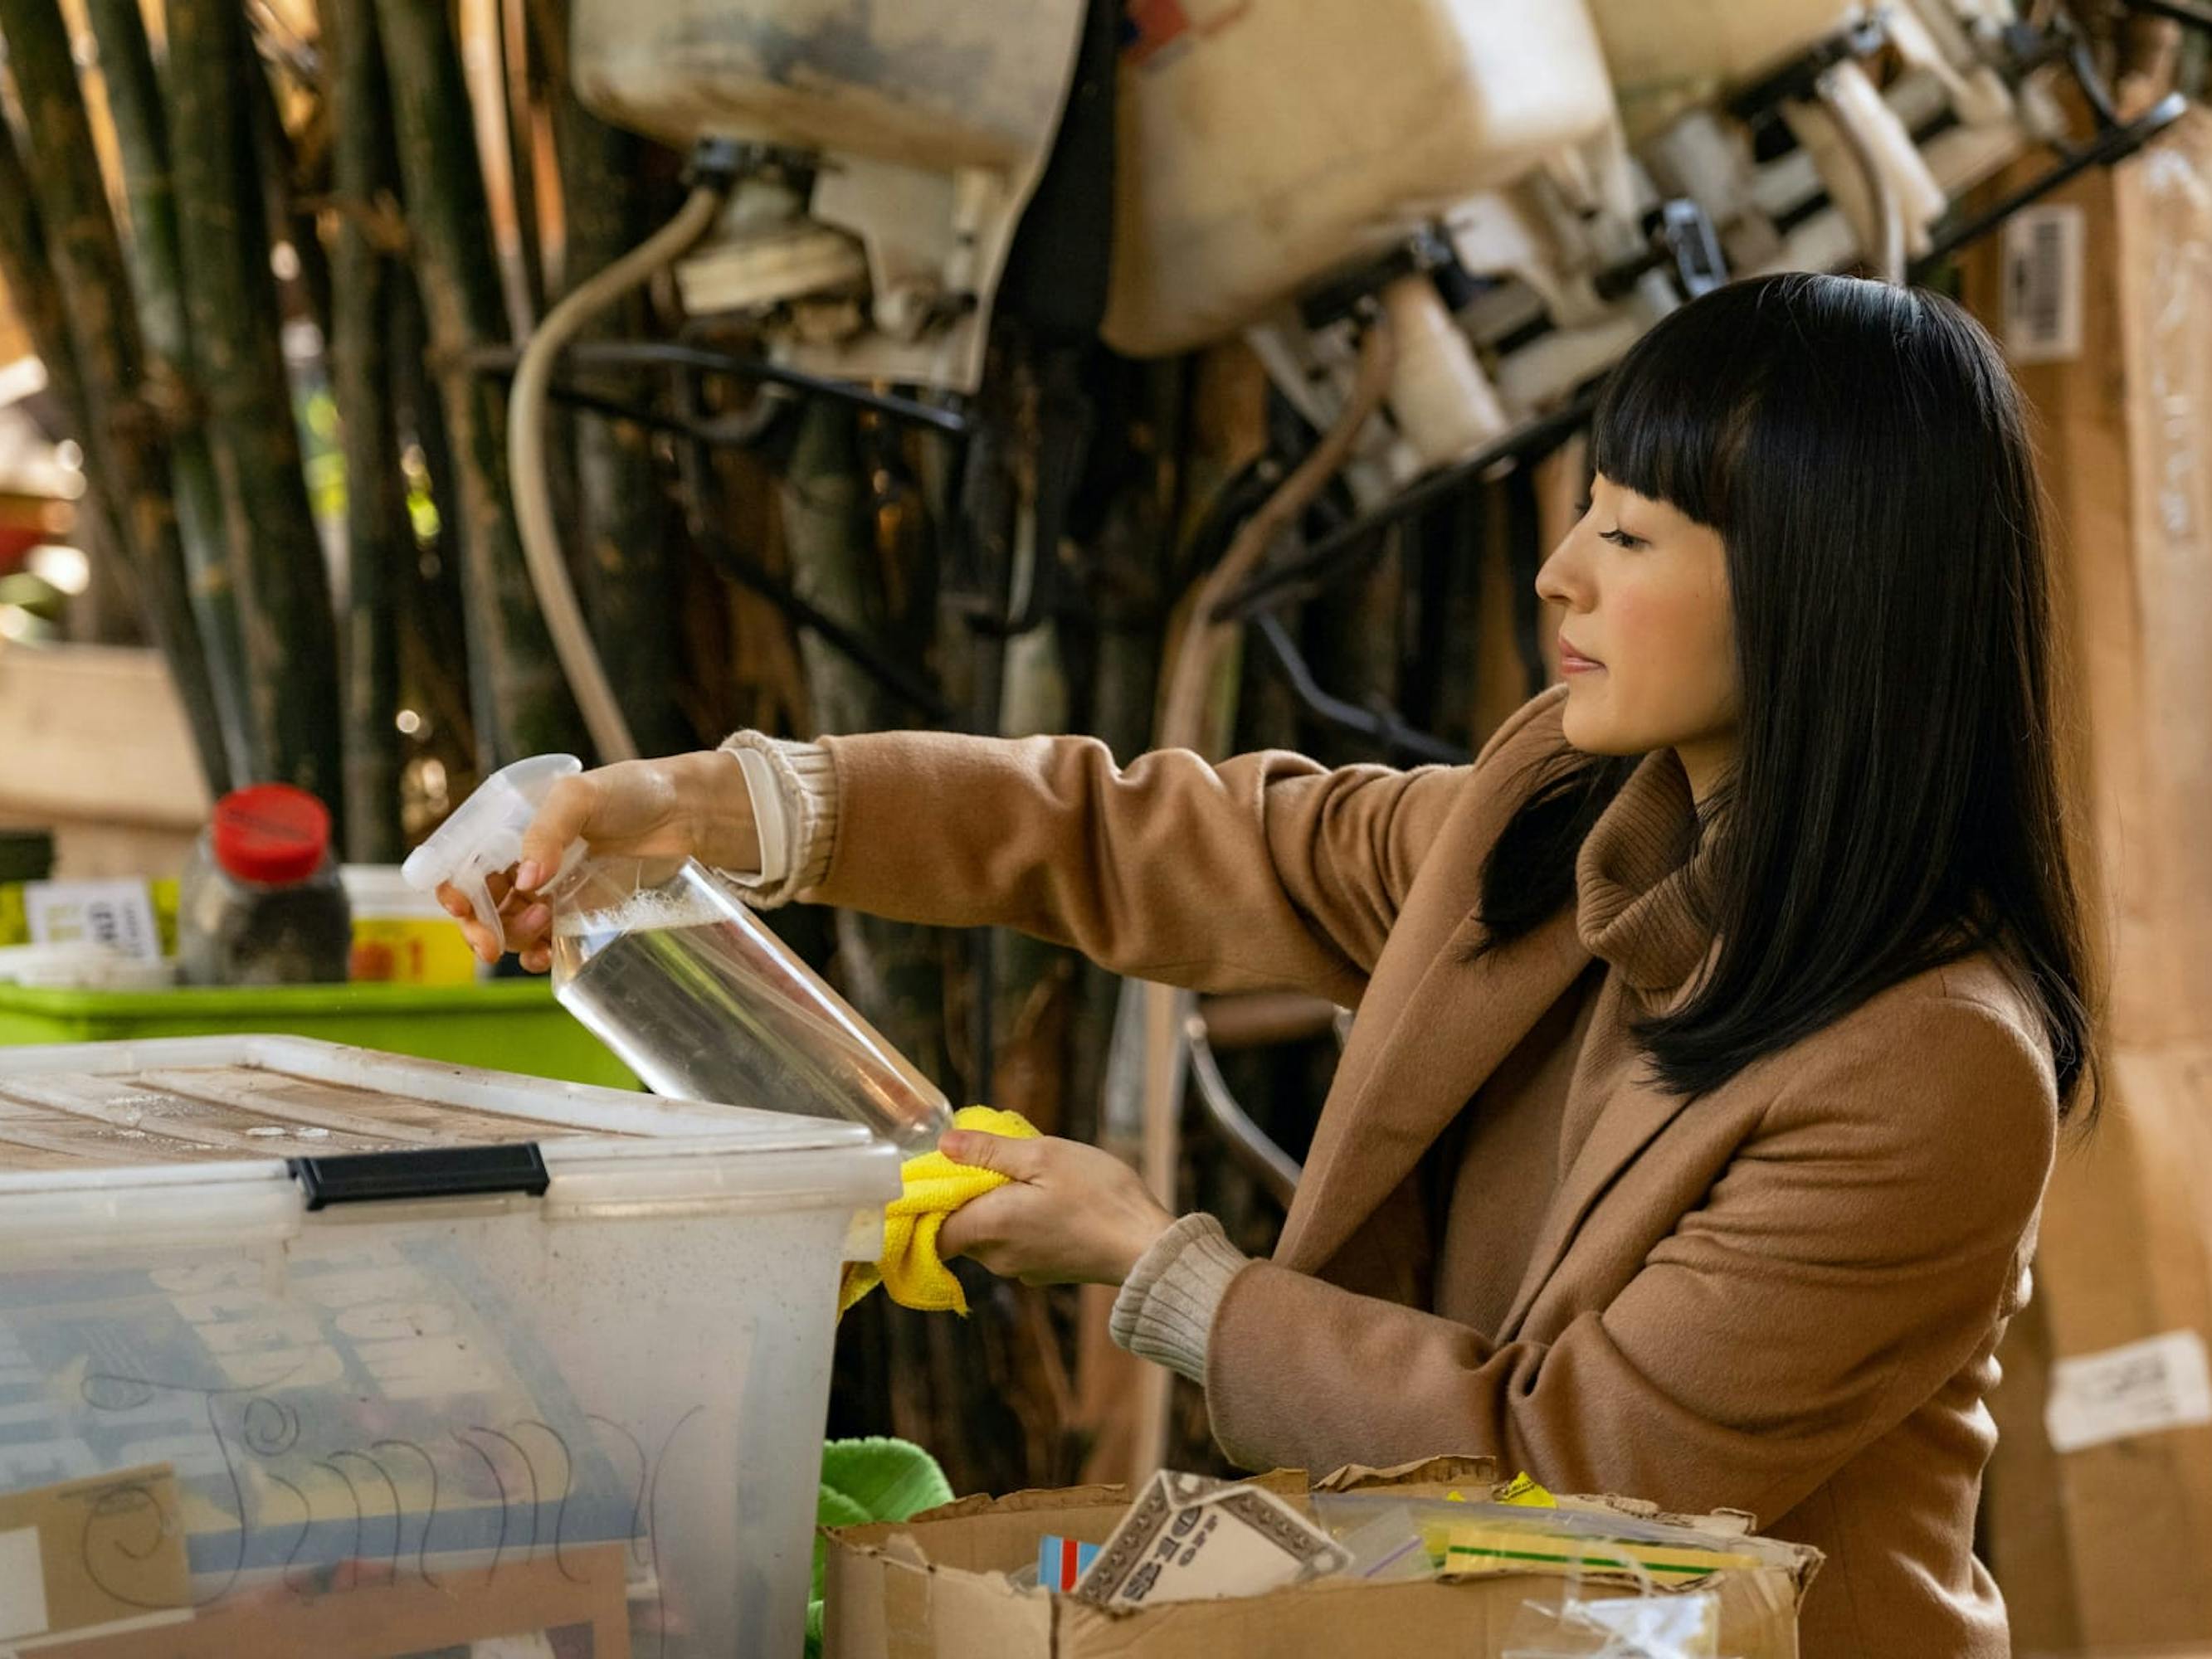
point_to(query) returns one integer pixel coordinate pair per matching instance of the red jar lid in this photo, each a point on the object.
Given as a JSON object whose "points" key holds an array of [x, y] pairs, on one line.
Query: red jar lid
{"points": [[270, 833]]}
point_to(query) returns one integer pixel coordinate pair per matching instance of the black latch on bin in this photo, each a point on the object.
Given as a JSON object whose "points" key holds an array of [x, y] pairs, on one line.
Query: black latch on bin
{"points": [[424, 1172]]}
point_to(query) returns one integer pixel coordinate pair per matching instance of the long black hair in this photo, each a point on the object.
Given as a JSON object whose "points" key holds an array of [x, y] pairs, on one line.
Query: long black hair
{"points": [[1895, 802]]}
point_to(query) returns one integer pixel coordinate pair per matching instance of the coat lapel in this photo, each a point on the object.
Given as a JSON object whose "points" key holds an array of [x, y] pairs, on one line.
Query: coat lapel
{"points": [[1630, 1120], [1633, 1116], [1399, 1089], [1435, 1023], [1434, 1020]]}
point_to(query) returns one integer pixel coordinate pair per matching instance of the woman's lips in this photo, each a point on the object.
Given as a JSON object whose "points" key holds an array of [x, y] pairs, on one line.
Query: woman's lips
{"points": [[1572, 661]]}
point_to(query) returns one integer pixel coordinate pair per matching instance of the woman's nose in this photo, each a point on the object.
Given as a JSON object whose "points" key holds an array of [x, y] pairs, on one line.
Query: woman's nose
{"points": [[1558, 579]]}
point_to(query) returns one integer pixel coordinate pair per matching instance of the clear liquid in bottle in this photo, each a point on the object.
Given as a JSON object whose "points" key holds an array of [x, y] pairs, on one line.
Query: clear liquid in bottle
{"points": [[669, 968], [704, 1003]]}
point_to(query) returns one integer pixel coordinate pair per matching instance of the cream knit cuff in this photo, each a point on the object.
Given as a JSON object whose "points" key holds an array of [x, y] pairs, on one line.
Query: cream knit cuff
{"points": [[806, 791], [1165, 1310]]}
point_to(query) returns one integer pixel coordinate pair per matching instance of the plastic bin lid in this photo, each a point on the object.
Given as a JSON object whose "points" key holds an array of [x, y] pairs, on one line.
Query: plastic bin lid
{"points": [[170, 1110]]}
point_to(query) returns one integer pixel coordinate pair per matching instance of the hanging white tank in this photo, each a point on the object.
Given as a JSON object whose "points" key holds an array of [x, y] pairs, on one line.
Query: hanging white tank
{"points": [[916, 130], [1263, 145]]}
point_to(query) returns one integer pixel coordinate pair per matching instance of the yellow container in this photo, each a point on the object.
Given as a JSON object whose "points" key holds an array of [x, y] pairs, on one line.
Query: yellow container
{"points": [[400, 937]]}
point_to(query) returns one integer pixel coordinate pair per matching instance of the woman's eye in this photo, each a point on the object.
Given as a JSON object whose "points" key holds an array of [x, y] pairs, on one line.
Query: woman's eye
{"points": [[1621, 538]]}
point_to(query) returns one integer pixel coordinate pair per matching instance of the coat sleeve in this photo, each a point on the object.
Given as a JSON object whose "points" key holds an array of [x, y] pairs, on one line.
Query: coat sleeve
{"points": [[1266, 872], [1860, 1249]]}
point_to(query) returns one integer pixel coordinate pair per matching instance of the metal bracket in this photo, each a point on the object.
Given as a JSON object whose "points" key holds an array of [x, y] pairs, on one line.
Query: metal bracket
{"points": [[1680, 232]]}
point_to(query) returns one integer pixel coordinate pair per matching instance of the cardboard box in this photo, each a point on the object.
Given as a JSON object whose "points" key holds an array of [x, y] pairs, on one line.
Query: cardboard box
{"points": [[2097, 1516], [936, 1586]]}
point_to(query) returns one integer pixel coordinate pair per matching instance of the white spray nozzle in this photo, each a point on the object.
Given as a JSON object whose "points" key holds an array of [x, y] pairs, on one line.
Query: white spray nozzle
{"points": [[484, 834]]}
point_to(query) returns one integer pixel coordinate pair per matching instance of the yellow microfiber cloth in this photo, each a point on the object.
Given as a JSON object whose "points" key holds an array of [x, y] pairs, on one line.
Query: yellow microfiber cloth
{"points": [[911, 1272]]}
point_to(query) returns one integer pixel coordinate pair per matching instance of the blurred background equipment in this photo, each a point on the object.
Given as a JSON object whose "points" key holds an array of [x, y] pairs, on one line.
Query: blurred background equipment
{"points": [[440, 383]]}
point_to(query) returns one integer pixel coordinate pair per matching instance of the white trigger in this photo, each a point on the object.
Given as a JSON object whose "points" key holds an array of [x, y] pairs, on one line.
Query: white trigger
{"points": [[487, 912]]}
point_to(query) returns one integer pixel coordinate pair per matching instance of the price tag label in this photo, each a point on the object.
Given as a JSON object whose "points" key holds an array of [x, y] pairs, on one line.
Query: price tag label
{"points": [[116, 913]]}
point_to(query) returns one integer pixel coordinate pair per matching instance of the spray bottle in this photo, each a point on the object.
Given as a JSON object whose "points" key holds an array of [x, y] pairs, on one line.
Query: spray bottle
{"points": [[676, 975]]}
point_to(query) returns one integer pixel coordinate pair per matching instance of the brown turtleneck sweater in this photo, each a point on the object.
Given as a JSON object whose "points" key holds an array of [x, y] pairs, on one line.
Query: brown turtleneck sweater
{"points": [[1536, 1110]]}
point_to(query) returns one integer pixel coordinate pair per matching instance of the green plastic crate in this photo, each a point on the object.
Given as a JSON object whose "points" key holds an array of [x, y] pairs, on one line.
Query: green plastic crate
{"points": [[503, 1025]]}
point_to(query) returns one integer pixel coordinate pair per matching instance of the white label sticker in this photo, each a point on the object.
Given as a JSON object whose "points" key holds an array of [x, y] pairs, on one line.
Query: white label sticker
{"points": [[2160, 1383], [2043, 251], [117, 913], [22, 1584]]}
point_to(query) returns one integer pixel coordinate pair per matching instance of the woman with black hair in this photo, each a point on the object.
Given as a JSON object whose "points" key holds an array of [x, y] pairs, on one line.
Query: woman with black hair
{"points": [[1713, 1027]]}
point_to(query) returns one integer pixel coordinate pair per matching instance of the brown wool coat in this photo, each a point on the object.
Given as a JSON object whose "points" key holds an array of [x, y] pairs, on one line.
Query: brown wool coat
{"points": [[1783, 1298]]}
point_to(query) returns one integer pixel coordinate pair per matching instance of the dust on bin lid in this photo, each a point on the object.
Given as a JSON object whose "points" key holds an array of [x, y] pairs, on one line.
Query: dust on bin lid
{"points": [[26, 854], [271, 833], [166, 1111]]}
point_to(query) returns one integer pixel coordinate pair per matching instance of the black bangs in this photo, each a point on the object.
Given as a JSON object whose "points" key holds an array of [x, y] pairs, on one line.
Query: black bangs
{"points": [[1671, 422]]}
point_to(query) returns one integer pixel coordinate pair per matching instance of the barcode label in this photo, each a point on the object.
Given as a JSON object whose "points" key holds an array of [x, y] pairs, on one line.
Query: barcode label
{"points": [[2043, 248], [2160, 1383]]}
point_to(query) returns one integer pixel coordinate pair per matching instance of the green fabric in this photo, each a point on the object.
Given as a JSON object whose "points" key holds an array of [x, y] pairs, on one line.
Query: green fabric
{"points": [[875, 1478]]}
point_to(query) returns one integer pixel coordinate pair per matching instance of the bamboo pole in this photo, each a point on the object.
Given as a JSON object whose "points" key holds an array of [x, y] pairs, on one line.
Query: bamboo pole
{"points": [[892, 968], [230, 298], [476, 29], [511, 30], [34, 295], [434, 676], [286, 209], [61, 189], [626, 581], [378, 539], [136, 106], [523, 705]]}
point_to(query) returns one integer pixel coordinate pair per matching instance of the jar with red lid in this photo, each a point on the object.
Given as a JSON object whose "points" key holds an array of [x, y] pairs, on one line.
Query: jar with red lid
{"points": [[261, 903]]}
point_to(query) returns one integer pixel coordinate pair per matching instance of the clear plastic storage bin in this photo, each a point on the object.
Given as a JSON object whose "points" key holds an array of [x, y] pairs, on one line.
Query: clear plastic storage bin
{"points": [[413, 1354]]}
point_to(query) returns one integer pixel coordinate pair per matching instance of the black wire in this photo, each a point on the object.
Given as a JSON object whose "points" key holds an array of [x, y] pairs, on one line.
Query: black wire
{"points": [[675, 354], [671, 354], [1244, 492], [1337, 550], [735, 435], [696, 469], [1232, 504], [894, 676], [1380, 723]]}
